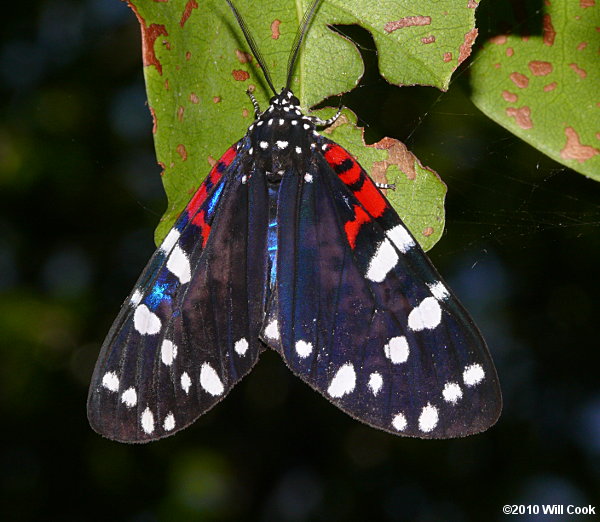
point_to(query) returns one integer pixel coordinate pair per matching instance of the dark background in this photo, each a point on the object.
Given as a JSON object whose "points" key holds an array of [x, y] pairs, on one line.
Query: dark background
{"points": [[80, 194]]}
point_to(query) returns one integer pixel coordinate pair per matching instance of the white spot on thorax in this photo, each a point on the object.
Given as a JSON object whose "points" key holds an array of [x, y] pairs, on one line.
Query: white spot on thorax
{"points": [[168, 352], [343, 381], [438, 290], [426, 315], [129, 397], [428, 419], [281, 121], [147, 421], [399, 422], [384, 259], [110, 381], [241, 346], [136, 297], [169, 423], [263, 145], [169, 241], [286, 109], [397, 350], [401, 238], [145, 321], [186, 382], [452, 392], [272, 330], [209, 380], [298, 150], [282, 144], [294, 122], [473, 374], [375, 382], [303, 348], [308, 178], [306, 126]]}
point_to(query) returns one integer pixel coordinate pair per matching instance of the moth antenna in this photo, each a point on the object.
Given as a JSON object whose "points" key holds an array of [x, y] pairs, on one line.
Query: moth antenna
{"points": [[252, 44], [308, 16]]}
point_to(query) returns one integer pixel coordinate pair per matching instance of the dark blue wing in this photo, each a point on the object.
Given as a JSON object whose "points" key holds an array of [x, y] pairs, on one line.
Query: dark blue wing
{"points": [[189, 330], [362, 316]]}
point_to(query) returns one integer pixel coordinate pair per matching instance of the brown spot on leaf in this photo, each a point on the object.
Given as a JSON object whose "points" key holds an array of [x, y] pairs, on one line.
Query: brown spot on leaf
{"points": [[520, 80], [245, 113], [216, 99], [574, 150], [500, 39], [539, 68], [194, 97], [586, 3], [407, 21], [550, 87], [239, 75], [242, 56], [497, 65], [521, 115], [211, 161], [510, 51], [167, 84], [465, 48], [580, 72], [188, 55], [510, 97], [447, 57], [427, 231], [187, 11], [149, 36], [582, 46], [180, 112], [398, 155], [275, 29], [428, 39], [472, 4], [181, 151], [167, 45], [251, 87], [548, 30], [154, 122]]}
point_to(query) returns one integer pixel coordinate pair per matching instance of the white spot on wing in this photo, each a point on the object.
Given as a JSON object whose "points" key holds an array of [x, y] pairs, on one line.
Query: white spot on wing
{"points": [[343, 381], [136, 297], [396, 350], [306, 126], [179, 265], [169, 241], [375, 382], [303, 348], [272, 330], [426, 315], [281, 120], [209, 380], [169, 423], [384, 259], [473, 374], [168, 352], [263, 144], [145, 321], [401, 238], [294, 122], [298, 150], [438, 290], [186, 382], [428, 419], [399, 422], [129, 397], [147, 421], [241, 346], [282, 144], [110, 381], [452, 392], [308, 178]]}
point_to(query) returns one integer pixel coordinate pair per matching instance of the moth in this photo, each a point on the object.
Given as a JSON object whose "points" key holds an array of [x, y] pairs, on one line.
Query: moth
{"points": [[289, 245]]}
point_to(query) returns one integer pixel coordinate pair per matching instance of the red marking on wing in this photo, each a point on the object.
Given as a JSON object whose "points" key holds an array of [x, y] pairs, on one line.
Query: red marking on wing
{"points": [[211, 180], [335, 156], [202, 225], [371, 198], [352, 227]]}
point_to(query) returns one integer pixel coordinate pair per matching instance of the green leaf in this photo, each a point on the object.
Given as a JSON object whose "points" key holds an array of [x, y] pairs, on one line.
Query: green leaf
{"points": [[542, 84], [197, 71]]}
